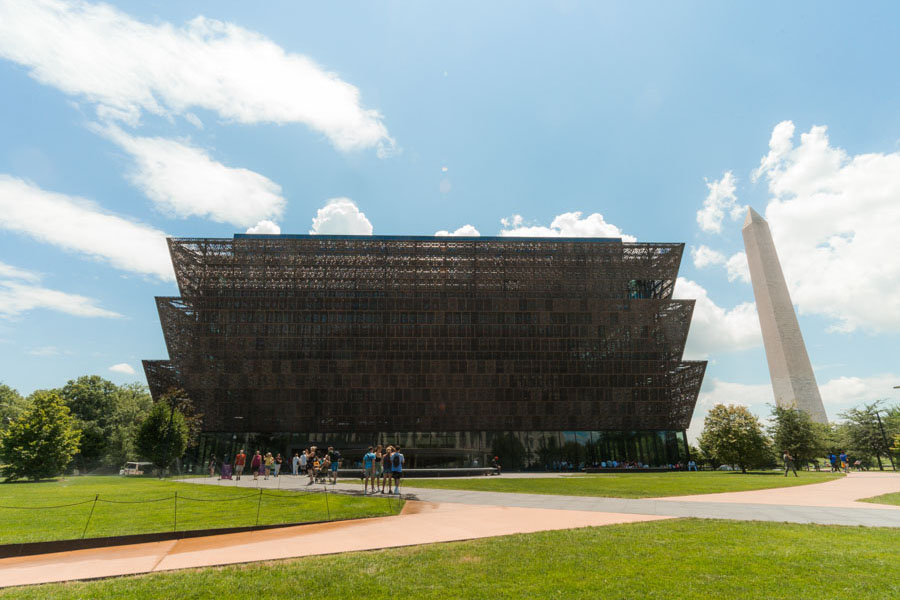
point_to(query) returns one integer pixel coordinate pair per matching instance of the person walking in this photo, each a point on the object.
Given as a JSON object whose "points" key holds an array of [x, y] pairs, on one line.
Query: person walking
{"points": [[277, 465], [311, 465], [334, 458], [212, 465], [256, 465], [239, 461], [379, 467], [397, 460], [295, 464], [368, 470], [269, 462], [304, 459], [843, 462], [789, 464]]}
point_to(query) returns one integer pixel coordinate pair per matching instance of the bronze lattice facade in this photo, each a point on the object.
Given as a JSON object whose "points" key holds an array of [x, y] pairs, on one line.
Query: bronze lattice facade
{"points": [[361, 339]]}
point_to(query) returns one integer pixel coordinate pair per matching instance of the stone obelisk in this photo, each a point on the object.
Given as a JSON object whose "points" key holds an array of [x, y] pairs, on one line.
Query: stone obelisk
{"points": [[793, 380]]}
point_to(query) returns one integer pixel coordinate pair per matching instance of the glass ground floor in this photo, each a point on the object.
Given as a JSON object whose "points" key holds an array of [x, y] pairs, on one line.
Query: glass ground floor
{"points": [[517, 450]]}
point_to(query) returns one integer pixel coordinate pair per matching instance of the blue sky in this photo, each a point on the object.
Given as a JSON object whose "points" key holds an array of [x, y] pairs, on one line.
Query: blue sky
{"points": [[127, 122]]}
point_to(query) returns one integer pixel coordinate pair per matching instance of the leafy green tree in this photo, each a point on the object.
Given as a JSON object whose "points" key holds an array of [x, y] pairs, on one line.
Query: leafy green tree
{"points": [[163, 436], [41, 442], [863, 433], [733, 435], [92, 401], [133, 404], [793, 430], [12, 405]]}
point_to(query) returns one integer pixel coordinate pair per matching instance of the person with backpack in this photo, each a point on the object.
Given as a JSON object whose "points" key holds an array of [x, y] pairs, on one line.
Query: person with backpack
{"points": [[386, 467], [334, 457], [397, 460], [368, 471]]}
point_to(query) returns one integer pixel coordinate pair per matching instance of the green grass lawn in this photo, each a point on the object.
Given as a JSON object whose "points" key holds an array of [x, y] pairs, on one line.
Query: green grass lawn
{"points": [[892, 498], [629, 485], [199, 507], [665, 559]]}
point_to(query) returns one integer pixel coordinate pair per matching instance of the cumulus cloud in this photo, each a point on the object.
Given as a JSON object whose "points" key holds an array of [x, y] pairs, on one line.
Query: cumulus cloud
{"points": [[716, 329], [465, 230], [17, 298], [184, 181], [704, 256], [80, 226], [267, 227], [834, 218], [341, 216], [720, 200], [738, 268], [123, 368], [569, 224], [127, 67]]}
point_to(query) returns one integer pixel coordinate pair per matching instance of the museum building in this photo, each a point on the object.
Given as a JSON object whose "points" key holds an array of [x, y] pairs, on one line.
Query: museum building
{"points": [[549, 352]]}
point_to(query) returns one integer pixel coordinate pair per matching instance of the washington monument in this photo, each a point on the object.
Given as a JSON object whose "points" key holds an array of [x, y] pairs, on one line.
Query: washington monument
{"points": [[793, 380]]}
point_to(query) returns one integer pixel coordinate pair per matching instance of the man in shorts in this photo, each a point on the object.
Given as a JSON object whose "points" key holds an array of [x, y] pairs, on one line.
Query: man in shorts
{"points": [[304, 459], [397, 460], [239, 461], [335, 457], [368, 470]]}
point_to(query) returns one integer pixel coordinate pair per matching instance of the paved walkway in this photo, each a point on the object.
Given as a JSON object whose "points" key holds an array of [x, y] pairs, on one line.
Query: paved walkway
{"points": [[420, 523], [434, 515]]}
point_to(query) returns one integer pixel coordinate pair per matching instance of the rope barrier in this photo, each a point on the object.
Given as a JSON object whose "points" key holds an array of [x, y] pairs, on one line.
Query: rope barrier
{"points": [[135, 501], [47, 507]]}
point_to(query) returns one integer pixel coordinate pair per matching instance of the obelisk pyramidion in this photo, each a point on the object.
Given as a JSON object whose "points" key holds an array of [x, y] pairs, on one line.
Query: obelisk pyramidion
{"points": [[793, 380]]}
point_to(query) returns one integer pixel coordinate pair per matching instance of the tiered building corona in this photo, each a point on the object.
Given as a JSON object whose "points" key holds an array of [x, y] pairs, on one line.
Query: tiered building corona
{"points": [[546, 351]]}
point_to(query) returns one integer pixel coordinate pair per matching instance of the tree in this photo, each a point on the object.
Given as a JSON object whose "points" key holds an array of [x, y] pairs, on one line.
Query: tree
{"points": [[793, 430], [41, 442], [163, 436], [12, 405], [132, 406], [733, 435], [864, 433], [92, 401]]}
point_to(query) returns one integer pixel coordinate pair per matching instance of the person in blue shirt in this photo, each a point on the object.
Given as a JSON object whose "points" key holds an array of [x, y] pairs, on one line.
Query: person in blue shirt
{"points": [[368, 470], [397, 461]]}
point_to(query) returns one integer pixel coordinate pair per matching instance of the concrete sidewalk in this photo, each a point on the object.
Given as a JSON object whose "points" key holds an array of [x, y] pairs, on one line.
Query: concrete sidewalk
{"points": [[419, 523]]}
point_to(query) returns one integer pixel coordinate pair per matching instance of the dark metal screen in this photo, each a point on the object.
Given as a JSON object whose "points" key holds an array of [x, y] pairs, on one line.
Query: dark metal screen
{"points": [[382, 333]]}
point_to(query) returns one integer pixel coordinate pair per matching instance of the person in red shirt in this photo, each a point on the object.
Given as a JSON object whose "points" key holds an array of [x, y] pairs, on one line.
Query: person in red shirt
{"points": [[239, 461]]}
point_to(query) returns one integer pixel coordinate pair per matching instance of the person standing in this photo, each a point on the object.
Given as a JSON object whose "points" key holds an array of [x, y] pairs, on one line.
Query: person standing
{"points": [[368, 470], [256, 465], [277, 465], [269, 462], [789, 464], [304, 461], [397, 460], [239, 461], [295, 464], [334, 458], [843, 461], [311, 465], [212, 465], [386, 468]]}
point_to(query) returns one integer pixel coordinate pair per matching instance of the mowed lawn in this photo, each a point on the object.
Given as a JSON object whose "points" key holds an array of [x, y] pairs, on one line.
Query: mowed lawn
{"points": [[664, 559], [630, 485], [123, 508], [892, 498]]}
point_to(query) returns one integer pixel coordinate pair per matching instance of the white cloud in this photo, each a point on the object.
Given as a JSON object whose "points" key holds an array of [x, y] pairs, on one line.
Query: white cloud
{"points": [[834, 218], [738, 268], [185, 181], [124, 368], [44, 351], [715, 329], [78, 225], [705, 256], [720, 200], [11, 272], [341, 216], [565, 225], [846, 392], [267, 227], [127, 67], [465, 230], [17, 298]]}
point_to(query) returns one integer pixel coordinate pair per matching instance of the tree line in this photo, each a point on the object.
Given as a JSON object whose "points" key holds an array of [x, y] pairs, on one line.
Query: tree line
{"points": [[732, 435], [92, 425]]}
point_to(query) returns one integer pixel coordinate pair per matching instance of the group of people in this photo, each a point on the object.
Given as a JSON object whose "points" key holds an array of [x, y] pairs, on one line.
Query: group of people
{"points": [[384, 466], [841, 462], [260, 464]]}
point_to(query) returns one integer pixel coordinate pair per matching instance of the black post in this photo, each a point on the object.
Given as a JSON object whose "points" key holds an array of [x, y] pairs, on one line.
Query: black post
{"points": [[175, 525], [327, 508], [884, 439], [258, 505], [93, 506]]}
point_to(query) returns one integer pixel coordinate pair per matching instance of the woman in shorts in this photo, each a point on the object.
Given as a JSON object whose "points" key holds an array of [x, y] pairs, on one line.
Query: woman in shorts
{"points": [[386, 468], [379, 467]]}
